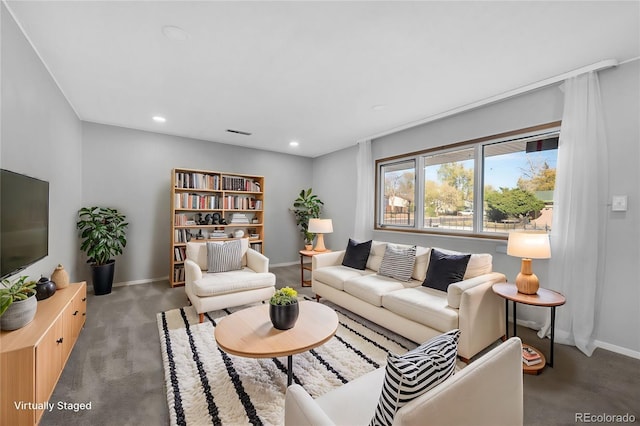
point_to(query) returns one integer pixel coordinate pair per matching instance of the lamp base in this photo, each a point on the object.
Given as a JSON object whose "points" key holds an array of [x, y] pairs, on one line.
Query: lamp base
{"points": [[527, 282], [320, 243]]}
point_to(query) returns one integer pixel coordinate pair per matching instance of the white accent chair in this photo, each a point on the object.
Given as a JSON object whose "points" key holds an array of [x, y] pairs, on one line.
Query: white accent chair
{"points": [[212, 291], [487, 392]]}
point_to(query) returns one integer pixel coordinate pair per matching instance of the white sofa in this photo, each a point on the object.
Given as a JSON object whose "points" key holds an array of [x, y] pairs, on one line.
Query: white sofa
{"points": [[410, 309], [486, 392], [211, 291]]}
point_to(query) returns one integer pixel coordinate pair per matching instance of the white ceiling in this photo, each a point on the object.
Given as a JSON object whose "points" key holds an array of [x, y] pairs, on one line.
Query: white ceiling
{"points": [[310, 71]]}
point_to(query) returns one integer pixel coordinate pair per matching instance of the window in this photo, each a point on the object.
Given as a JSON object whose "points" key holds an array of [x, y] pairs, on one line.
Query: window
{"points": [[398, 199], [483, 187]]}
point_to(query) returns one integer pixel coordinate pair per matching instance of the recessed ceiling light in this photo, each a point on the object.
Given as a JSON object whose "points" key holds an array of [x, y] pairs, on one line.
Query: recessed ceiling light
{"points": [[175, 33], [159, 119], [293, 143], [378, 107]]}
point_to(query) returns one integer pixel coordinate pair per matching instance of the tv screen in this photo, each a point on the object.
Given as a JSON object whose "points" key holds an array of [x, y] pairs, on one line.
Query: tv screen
{"points": [[24, 221]]}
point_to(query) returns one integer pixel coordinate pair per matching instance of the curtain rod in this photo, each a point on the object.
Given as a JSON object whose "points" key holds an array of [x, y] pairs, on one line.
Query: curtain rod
{"points": [[598, 66]]}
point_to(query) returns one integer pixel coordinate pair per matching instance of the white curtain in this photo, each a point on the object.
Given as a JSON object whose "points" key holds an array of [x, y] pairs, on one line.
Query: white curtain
{"points": [[363, 229], [576, 267]]}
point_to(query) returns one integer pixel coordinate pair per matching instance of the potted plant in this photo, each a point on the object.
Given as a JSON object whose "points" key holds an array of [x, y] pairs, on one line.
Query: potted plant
{"points": [[103, 233], [18, 303], [306, 206], [283, 308]]}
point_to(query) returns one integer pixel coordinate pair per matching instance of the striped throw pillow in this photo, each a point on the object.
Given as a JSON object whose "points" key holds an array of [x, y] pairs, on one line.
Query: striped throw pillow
{"points": [[410, 375], [223, 257], [398, 261]]}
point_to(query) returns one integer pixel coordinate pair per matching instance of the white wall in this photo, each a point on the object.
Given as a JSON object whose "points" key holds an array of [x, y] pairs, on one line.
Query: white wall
{"points": [[131, 170], [334, 181], [41, 137], [619, 304]]}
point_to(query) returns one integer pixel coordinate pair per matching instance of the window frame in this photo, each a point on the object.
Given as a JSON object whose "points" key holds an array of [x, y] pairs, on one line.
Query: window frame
{"points": [[478, 188]]}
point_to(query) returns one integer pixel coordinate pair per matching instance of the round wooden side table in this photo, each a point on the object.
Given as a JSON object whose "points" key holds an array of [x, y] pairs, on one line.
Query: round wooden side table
{"points": [[545, 298]]}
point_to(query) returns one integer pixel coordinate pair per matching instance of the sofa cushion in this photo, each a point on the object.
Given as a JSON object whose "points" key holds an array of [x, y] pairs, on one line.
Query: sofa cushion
{"points": [[224, 256], [445, 269], [479, 263], [376, 255], [410, 375], [423, 305], [213, 284], [371, 288], [421, 264], [398, 262], [357, 254], [335, 276]]}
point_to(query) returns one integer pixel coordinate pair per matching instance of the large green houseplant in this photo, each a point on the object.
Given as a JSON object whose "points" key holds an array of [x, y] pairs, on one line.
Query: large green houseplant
{"points": [[306, 206], [18, 303], [103, 233]]}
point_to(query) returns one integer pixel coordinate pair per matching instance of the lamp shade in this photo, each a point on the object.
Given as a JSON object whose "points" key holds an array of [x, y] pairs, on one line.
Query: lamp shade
{"points": [[529, 244], [320, 226]]}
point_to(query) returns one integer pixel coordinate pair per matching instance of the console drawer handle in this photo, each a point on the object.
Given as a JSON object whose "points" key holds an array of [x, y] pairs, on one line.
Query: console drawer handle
{"points": [[75, 313], [84, 299], [59, 340]]}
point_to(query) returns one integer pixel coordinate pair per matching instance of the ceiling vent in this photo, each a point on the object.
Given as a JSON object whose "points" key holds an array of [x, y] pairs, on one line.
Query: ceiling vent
{"points": [[240, 132]]}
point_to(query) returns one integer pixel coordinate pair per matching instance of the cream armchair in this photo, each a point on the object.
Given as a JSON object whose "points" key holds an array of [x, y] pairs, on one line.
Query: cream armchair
{"points": [[211, 291], [486, 392]]}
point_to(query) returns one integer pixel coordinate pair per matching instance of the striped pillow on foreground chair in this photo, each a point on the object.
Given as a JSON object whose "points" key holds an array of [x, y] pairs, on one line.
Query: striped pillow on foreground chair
{"points": [[410, 375]]}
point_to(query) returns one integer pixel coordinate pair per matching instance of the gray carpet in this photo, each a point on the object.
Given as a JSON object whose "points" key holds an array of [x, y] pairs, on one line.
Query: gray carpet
{"points": [[116, 365]]}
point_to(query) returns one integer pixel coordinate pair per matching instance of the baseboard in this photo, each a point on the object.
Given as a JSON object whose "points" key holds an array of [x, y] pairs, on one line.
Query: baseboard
{"points": [[284, 264], [617, 349], [136, 282]]}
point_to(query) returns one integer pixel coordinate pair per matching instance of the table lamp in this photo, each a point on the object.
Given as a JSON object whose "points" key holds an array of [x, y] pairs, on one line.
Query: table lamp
{"points": [[320, 227], [528, 245]]}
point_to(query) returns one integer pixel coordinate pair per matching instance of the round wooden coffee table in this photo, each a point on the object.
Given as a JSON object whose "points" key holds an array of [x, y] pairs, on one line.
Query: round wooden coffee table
{"points": [[249, 333]]}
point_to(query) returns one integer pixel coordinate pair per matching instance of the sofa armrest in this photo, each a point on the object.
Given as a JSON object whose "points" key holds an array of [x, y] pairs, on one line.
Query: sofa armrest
{"points": [[332, 258], [455, 290], [487, 392], [480, 317], [302, 410], [192, 272], [257, 261]]}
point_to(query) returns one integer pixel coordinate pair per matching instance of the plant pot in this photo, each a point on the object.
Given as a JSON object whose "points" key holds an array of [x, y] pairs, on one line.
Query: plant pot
{"points": [[19, 314], [102, 277], [308, 247], [283, 317]]}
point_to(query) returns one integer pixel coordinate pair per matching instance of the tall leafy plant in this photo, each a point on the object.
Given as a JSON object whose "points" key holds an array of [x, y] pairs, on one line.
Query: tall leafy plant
{"points": [[305, 207], [103, 232]]}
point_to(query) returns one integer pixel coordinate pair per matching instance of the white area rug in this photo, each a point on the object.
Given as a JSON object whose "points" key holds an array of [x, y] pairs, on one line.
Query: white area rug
{"points": [[207, 386]]}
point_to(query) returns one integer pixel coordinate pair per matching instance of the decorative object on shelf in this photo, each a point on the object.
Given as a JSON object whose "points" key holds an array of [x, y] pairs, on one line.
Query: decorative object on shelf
{"points": [[238, 233], [60, 277], [320, 227], [103, 233], [284, 308], [528, 245], [305, 207], [45, 288], [216, 218], [18, 304]]}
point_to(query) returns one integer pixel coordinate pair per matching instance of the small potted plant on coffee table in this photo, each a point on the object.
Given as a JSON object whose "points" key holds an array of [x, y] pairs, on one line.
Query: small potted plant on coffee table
{"points": [[283, 308]]}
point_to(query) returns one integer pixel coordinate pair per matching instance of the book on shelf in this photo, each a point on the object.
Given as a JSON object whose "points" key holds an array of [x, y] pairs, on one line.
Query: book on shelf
{"points": [[530, 356], [532, 362]]}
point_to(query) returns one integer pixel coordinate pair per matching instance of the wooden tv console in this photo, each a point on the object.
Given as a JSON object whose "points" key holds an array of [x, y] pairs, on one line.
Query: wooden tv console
{"points": [[33, 357]]}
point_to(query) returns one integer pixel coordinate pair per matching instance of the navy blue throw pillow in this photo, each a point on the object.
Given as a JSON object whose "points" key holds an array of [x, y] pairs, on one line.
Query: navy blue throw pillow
{"points": [[445, 269], [357, 254]]}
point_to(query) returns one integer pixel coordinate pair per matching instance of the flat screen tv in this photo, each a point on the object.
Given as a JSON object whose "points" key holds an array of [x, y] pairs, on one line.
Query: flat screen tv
{"points": [[24, 221]]}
